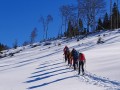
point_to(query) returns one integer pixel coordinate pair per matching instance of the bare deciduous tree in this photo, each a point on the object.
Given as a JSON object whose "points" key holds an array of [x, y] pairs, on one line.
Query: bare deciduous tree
{"points": [[68, 14], [25, 43], [33, 35], [89, 9], [49, 19], [45, 24], [42, 20], [15, 44]]}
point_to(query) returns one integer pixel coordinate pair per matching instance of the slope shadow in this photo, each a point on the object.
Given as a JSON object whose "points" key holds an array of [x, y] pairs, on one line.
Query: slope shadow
{"points": [[48, 72], [47, 83], [43, 76], [48, 62], [111, 38], [48, 69], [37, 57], [27, 62], [49, 65]]}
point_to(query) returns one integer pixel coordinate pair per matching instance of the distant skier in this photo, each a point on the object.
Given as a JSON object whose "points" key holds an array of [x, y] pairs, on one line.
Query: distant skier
{"points": [[75, 58], [100, 40], [82, 61], [65, 50]]}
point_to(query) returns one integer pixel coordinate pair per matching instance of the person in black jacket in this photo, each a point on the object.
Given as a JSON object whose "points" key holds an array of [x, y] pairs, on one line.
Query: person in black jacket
{"points": [[75, 58]]}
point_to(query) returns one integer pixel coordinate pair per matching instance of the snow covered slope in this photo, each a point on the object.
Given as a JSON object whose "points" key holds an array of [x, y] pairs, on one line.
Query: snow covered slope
{"points": [[43, 67]]}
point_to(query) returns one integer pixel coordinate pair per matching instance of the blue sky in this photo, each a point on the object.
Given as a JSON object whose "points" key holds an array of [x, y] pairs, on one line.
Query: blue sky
{"points": [[19, 17]]}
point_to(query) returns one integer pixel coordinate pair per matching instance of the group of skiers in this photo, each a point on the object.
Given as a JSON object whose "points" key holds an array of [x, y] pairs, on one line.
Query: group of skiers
{"points": [[75, 59]]}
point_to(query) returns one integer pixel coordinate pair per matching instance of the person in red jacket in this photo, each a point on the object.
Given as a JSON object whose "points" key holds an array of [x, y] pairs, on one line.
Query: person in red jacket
{"points": [[82, 61], [65, 50]]}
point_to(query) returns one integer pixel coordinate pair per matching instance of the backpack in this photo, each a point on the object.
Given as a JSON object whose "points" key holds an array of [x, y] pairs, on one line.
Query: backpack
{"points": [[76, 54], [66, 49], [82, 57]]}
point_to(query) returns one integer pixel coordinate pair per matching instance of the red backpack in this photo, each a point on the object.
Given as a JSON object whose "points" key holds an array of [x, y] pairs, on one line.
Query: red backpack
{"points": [[82, 57]]}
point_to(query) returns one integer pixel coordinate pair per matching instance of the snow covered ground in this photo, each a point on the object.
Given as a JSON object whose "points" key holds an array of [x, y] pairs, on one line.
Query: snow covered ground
{"points": [[43, 67]]}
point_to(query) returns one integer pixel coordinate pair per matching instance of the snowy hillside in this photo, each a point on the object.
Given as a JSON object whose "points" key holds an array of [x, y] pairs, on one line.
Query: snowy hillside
{"points": [[43, 67]]}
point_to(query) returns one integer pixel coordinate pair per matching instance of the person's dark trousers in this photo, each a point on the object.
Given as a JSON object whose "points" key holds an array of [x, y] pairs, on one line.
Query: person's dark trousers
{"points": [[68, 58], [68, 61], [65, 58], [74, 63], [81, 66]]}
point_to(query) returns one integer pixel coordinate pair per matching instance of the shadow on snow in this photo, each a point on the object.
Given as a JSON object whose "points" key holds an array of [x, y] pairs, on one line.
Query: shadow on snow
{"points": [[48, 69], [44, 77], [57, 80], [50, 65]]}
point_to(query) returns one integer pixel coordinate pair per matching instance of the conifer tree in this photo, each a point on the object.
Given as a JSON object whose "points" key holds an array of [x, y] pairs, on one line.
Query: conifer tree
{"points": [[115, 12], [69, 30], [80, 26], [100, 25], [106, 21], [3, 47], [15, 45]]}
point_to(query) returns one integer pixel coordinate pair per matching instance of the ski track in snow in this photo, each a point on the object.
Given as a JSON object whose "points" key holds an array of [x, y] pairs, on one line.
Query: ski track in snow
{"points": [[100, 81], [44, 72]]}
